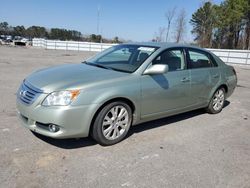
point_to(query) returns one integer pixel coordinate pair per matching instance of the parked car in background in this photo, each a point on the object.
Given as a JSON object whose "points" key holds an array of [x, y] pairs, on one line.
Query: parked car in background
{"points": [[122, 86], [9, 38], [6, 39], [21, 41], [14, 40]]}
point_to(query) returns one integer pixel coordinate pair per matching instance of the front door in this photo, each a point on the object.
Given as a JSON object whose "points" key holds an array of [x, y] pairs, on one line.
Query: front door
{"points": [[167, 92]]}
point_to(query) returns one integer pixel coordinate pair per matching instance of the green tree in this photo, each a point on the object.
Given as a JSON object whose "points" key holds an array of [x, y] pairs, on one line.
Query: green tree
{"points": [[4, 28], [36, 32], [76, 35], [247, 25], [56, 33], [95, 38], [19, 31], [233, 11], [64, 34], [220, 27], [224, 25], [203, 21]]}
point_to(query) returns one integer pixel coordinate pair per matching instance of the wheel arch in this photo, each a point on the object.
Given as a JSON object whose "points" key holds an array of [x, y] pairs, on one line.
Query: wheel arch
{"points": [[223, 86], [215, 89]]}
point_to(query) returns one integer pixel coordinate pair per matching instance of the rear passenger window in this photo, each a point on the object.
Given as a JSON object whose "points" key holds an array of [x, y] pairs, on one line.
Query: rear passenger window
{"points": [[173, 58], [198, 59]]}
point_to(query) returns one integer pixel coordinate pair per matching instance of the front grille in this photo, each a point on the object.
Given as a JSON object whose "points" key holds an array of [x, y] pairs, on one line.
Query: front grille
{"points": [[28, 93]]}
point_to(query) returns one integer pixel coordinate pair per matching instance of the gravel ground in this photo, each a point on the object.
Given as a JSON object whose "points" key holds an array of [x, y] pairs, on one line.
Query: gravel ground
{"points": [[194, 149]]}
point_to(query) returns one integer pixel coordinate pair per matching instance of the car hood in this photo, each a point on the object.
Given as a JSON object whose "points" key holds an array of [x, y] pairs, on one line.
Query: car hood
{"points": [[71, 76]]}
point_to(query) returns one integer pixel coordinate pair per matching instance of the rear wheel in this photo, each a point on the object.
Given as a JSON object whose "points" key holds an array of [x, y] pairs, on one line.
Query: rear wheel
{"points": [[112, 123], [217, 102]]}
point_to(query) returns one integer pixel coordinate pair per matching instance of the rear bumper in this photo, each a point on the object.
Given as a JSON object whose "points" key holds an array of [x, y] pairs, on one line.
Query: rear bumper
{"points": [[73, 121]]}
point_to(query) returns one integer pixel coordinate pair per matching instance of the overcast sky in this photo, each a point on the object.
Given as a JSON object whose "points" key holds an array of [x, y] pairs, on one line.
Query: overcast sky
{"points": [[135, 20]]}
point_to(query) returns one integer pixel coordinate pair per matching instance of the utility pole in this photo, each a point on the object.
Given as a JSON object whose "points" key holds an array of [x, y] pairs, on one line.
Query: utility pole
{"points": [[98, 20], [101, 33]]}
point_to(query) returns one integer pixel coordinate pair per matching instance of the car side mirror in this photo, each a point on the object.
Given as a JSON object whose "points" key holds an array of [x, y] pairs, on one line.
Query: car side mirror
{"points": [[156, 69]]}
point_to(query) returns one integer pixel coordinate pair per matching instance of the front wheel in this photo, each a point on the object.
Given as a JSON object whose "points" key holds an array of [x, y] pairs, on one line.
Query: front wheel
{"points": [[217, 102], [112, 123]]}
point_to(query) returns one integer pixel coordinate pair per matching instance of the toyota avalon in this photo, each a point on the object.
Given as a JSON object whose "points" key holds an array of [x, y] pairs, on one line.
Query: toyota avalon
{"points": [[122, 86]]}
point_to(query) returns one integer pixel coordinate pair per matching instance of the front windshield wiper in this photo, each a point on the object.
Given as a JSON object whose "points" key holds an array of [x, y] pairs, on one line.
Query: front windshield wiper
{"points": [[105, 67], [97, 65]]}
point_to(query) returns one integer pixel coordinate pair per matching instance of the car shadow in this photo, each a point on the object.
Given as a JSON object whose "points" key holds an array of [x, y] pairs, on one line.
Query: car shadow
{"points": [[88, 141], [163, 122], [167, 120], [71, 143]]}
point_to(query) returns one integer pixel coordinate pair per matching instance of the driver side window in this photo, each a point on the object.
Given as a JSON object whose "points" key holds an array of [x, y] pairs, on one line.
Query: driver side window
{"points": [[173, 58]]}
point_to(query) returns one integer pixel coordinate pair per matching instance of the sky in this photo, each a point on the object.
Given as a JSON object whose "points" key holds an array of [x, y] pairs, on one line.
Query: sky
{"points": [[136, 20]]}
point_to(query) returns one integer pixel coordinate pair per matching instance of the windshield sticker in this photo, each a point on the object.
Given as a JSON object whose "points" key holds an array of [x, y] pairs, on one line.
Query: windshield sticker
{"points": [[148, 49]]}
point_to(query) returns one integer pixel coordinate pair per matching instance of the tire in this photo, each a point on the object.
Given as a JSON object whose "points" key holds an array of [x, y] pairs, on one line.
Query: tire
{"points": [[217, 102], [112, 123]]}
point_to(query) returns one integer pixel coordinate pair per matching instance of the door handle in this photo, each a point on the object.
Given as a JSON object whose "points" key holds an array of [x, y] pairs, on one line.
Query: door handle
{"points": [[185, 79], [216, 76]]}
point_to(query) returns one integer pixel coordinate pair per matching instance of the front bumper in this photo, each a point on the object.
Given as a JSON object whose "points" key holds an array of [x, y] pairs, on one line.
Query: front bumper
{"points": [[73, 121]]}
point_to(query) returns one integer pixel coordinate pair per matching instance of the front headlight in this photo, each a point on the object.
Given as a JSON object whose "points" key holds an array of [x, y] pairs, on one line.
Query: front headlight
{"points": [[60, 98]]}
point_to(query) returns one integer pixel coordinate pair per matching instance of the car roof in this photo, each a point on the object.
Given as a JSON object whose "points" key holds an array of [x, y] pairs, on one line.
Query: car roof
{"points": [[165, 45]]}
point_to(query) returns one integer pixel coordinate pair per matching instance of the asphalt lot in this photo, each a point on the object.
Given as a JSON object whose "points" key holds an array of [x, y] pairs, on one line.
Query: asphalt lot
{"points": [[194, 149]]}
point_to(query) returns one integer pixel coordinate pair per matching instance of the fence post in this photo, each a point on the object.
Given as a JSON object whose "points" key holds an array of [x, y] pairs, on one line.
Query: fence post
{"points": [[247, 57], [228, 56]]}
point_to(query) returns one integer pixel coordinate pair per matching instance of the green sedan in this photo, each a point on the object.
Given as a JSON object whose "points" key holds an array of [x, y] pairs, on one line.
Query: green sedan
{"points": [[125, 85]]}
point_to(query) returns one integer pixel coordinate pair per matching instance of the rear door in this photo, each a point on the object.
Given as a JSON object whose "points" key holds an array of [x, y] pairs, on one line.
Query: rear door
{"points": [[204, 74]]}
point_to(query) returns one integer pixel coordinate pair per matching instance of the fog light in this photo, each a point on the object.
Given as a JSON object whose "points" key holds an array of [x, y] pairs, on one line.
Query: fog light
{"points": [[53, 128]]}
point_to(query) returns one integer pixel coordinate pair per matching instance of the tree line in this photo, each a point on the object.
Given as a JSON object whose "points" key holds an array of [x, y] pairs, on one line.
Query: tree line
{"points": [[226, 25], [223, 26], [53, 33]]}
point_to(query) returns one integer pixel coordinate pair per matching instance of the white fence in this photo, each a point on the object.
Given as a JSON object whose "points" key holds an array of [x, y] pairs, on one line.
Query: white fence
{"points": [[70, 45], [228, 56], [233, 56]]}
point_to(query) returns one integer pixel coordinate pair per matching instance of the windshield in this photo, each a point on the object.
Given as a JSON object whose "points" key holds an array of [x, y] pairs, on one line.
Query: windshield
{"points": [[125, 58]]}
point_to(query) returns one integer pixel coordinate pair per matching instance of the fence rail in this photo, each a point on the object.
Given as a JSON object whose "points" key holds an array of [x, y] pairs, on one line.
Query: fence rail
{"points": [[233, 56], [228, 56], [70, 45]]}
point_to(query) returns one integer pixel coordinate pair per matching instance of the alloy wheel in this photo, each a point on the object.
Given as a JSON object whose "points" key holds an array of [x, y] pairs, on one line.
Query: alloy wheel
{"points": [[115, 122], [218, 100]]}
